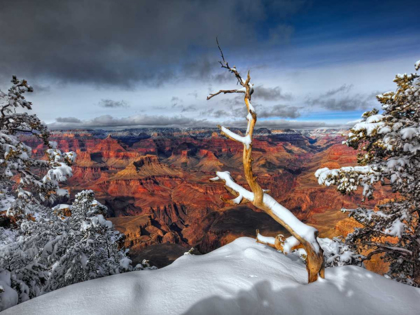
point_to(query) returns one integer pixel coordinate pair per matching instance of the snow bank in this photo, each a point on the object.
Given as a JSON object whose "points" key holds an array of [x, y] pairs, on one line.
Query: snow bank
{"points": [[243, 277]]}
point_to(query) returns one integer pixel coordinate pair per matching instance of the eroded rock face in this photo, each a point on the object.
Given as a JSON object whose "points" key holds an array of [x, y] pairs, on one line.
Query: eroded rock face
{"points": [[155, 184]]}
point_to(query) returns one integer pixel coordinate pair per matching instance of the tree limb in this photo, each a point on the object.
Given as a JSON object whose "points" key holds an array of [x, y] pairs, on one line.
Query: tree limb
{"points": [[224, 92]]}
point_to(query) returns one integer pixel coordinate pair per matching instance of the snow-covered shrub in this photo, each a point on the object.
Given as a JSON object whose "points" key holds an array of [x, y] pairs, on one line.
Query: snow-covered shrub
{"points": [[8, 296], [90, 248], [42, 249], [337, 253], [389, 147]]}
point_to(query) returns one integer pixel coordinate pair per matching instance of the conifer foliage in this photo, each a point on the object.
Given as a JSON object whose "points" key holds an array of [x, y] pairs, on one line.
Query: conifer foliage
{"points": [[389, 145], [44, 248]]}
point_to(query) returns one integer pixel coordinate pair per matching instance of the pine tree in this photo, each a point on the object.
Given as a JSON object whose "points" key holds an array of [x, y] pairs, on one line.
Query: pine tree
{"points": [[92, 246], [40, 248], [389, 148]]}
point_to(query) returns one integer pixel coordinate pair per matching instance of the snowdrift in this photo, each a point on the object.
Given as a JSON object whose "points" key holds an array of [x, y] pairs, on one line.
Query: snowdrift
{"points": [[243, 277]]}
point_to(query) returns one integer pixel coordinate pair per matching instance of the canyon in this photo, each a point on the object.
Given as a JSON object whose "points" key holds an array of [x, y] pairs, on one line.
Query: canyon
{"points": [[155, 183]]}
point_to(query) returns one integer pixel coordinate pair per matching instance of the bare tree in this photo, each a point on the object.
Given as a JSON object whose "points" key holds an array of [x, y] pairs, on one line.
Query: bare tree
{"points": [[303, 235]]}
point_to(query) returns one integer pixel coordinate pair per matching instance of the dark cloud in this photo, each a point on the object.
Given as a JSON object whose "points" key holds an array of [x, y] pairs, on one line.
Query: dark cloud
{"points": [[109, 122], [107, 103], [125, 42], [342, 89], [71, 120], [41, 88], [232, 101], [283, 111], [270, 94], [176, 101], [339, 99], [217, 113], [290, 124], [188, 108], [349, 103]]}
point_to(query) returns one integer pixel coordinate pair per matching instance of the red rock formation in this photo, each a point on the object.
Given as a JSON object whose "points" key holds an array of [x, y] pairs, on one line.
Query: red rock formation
{"points": [[157, 186]]}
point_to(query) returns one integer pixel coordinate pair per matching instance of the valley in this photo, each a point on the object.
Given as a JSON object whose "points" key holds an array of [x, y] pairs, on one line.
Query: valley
{"points": [[155, 183]]}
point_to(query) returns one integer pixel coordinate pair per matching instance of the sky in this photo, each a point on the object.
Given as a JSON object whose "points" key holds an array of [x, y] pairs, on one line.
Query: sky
{"points": [[128, 64]]}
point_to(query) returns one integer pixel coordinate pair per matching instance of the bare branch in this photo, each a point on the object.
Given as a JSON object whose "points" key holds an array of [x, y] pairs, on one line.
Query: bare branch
{"points": [[304, 235], [225, 65], [224, 92]]}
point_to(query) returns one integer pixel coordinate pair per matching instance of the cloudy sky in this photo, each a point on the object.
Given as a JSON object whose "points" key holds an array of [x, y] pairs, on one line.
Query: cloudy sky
{"points": [[116, 64]]}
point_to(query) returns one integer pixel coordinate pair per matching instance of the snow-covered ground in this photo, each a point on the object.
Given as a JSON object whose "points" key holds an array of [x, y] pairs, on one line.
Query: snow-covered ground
{"points": [[243, 277]]}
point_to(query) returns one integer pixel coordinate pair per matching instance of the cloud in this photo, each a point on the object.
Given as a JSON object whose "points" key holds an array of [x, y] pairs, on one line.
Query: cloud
{"points": [[283, 111], [41, 88], [72, 120], [176, 102], [107, 121], [188, 108], [139, 121], [342, 89], [270, 94], [216, 113], [195, 94], [349, 103], [291, 124], [107, 42], [339, 99], [284, 124], [107, 103]]}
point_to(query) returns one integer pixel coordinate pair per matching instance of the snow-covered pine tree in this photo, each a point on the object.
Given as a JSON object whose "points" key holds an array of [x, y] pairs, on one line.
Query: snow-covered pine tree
{"points": [[389, 145], [37, 179], [41, 249], [91, 248]]}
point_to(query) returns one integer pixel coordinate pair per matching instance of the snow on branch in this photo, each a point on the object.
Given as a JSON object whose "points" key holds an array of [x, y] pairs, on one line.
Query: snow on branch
{"points": [[268, 240], [229, 182], [301, 232], [235, 137], [306, 232], [348, 179]]}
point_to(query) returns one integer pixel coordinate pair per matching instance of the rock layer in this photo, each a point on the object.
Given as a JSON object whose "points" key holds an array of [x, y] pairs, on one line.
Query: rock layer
{"points": [[155, 184]]}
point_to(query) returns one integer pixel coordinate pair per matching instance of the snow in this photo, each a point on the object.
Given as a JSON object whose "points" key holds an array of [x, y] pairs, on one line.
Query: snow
{"points": [[125, 263], [266, 239], [243, 277], [251, 108], [408, 133], [289, 243], [396, 229], [417, 65], [8, 296], [229, 182], [305, 231], [245, 140], [374, 118]]}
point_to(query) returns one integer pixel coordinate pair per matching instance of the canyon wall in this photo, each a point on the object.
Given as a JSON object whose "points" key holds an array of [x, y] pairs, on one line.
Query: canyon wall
{"points": [[155, 184]]}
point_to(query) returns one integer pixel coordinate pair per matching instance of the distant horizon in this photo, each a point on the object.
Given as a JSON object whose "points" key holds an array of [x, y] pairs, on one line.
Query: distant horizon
{"points": [[194, 128]]}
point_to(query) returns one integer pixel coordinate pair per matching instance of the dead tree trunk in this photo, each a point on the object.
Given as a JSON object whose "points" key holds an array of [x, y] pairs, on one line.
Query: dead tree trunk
{"points": [[302, 234]]}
